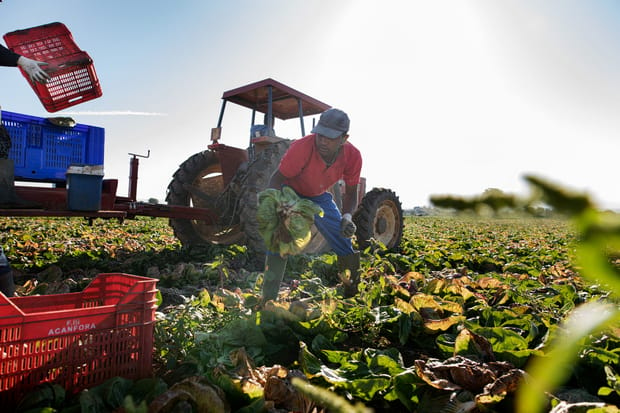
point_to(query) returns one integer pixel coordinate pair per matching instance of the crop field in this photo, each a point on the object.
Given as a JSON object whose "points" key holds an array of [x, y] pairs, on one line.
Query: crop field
{"points": [[452, 322]]}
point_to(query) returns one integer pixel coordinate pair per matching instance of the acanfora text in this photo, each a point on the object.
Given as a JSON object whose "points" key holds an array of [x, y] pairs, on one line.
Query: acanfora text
{"points": [[71, 326]]}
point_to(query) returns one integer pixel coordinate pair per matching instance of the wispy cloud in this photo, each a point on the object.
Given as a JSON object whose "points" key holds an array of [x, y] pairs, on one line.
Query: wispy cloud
{"points": [[113, 113]]}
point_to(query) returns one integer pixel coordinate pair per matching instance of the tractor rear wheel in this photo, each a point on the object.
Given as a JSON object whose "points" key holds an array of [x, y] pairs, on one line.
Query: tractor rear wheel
{"points": [[257, 179], [199, 183], [379, 216]]}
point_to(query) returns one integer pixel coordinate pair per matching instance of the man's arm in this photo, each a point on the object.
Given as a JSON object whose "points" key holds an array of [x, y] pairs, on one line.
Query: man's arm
{"points": [[31, 67], [349, 200], [7, 57], [349, 204], [277, 180]]}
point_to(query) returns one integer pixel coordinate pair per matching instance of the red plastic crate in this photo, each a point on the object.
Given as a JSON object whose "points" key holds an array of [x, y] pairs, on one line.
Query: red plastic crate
{"points": [[78, 340], [73, 78]]}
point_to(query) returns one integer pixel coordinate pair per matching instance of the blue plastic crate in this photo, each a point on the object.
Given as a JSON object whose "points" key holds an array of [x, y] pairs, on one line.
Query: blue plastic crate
{"points": [[43, 151]]}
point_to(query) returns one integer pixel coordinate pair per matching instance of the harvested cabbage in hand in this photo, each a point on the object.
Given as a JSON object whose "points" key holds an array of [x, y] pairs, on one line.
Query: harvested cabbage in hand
{"points": [[285, 219]]}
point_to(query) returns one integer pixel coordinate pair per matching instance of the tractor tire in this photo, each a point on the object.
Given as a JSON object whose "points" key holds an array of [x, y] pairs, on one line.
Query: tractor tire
{"points": [[203, 172], [380, 217], [259, 173]]}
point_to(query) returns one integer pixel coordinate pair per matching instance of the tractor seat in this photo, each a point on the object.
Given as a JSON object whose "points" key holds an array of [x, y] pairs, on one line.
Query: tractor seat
{"points": [[262, 134]]}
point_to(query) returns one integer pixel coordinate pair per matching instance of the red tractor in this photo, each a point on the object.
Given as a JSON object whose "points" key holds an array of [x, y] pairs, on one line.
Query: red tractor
{"points": [[213, 196], [228, 179]]}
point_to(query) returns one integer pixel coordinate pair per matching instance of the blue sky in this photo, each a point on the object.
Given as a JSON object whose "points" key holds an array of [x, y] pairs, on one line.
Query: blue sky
{"points": [[444, 96]]}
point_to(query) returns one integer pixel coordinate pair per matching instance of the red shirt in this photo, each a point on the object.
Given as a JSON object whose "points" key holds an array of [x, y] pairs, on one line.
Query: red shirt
{"points": [[307, 173]]}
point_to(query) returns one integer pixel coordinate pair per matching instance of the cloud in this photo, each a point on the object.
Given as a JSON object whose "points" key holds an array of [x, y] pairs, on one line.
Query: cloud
{"points": [[114, 113]]}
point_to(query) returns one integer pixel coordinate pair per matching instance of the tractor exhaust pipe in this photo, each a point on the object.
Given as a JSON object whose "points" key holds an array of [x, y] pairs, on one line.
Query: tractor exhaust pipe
{"points": [[134, 162]]}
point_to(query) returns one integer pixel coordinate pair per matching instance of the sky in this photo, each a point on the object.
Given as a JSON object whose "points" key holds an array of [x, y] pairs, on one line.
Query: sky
{"points": [[444, 96]]}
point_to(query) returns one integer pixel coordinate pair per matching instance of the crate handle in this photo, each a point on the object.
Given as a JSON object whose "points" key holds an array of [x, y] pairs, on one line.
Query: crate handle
{"points": [[8, 308]]}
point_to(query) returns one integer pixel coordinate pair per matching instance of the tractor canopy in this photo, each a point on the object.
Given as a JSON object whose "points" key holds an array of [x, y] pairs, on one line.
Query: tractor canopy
{"points": [[286, 102]]}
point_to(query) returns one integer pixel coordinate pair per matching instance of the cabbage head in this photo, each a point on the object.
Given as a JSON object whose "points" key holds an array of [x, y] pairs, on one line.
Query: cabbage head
{"points": [[285, 219]]}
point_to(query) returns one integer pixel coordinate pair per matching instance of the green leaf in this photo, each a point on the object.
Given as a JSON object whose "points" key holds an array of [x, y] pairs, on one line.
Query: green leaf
{"points": [[550, 371], [364, 389], [502, 338], [336, 356], [328, 399], [560, 198], [113, 391], [446, 343], [310, 364], [596, 266], [90, 402], [405, 385], [600, 356], [204, 297], [242, 333], [159, 298], [605, 391], [387, 361]]}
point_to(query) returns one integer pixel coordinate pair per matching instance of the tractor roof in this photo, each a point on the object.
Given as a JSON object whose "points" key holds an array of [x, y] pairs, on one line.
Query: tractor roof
{"points": [[285, 99]]}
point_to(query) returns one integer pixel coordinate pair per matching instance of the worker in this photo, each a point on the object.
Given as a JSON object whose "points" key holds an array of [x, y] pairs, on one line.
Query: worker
{"points": [[311, 166], [8, 198]]}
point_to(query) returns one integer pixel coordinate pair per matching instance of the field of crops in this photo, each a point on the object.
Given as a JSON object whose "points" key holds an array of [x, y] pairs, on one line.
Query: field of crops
{"points": [[450, 323]]}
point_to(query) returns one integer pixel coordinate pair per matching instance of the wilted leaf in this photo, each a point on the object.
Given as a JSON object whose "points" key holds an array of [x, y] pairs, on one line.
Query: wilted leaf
{"points": [[462, 373], [472, 345], [196, 392], [435, 326]]}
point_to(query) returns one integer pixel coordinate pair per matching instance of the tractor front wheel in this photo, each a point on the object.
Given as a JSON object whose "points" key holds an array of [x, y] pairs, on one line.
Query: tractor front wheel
{"points": [[380, 217]]}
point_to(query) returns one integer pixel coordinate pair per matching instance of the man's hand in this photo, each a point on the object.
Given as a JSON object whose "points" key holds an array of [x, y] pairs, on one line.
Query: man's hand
{"points": [[347, 227], [33, 69]]}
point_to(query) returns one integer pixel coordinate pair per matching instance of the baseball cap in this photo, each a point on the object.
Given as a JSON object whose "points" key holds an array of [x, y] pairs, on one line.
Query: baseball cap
{"points": [[333, 123]]}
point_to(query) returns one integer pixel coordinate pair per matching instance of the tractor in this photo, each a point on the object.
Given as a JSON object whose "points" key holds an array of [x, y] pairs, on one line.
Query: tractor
{"points": [[228, 180], [213, 195]]}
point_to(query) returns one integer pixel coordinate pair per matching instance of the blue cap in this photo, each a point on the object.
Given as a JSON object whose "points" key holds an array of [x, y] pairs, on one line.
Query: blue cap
{"points": [[333, 123]]}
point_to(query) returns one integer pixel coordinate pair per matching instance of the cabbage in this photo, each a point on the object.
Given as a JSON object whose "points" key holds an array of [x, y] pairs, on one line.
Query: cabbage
{"points": [[285, 219]]}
